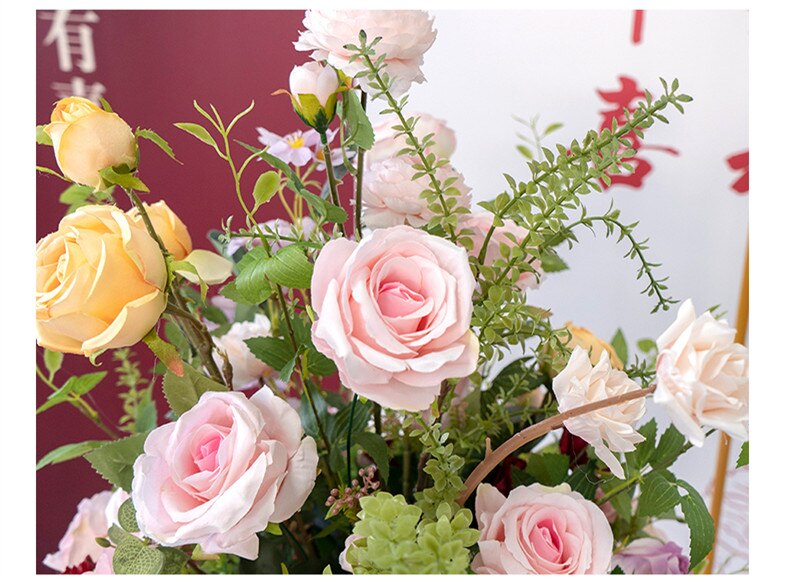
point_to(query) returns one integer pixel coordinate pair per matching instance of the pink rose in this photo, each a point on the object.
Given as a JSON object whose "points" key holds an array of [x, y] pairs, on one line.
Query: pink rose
{"points": [[391, 197], [390, 141], [702, 376], [405, 36], [652, 557], [248, 370], [393, 314], [540, 530], [222, 472], [78, 550], [480, 223]]}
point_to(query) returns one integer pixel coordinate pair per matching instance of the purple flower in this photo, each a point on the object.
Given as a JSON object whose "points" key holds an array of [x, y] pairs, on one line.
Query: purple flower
{"points": [[651, 556]]}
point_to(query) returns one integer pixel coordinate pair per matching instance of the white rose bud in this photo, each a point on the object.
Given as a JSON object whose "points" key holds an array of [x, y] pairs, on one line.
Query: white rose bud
{"points": [[314, 94]]}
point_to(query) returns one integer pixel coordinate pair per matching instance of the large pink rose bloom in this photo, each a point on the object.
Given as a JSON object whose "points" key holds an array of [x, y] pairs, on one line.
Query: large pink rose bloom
{"points": [[94, 517], [509, 234], [702, 376], [394, 313], [222, 472], [391, 197], [405, 36], [538, 530]]}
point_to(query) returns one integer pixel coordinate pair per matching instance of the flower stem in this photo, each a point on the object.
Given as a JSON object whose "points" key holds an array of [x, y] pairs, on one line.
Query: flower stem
{"points": [[330, 176], [348, 436], [358, 176], [536, 431]]}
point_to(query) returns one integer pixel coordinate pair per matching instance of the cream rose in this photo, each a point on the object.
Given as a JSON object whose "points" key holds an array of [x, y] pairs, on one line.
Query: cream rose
{"points": [[608, 429], [223, 471], [86, 139], [390, 197], [394, 313], [480, 223], [405, 37], [389, 141], [248, 370], [702, 376], [539, 530], [99, 282]]}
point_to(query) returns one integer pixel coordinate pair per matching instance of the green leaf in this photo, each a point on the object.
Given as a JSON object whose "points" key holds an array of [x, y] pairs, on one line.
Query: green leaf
{"points": [[552, 128], [266, 187], [114, 460], [52, 172], [319, 363], [273, 351], [155, 138], [184, 392], [52, 361], [670, 446], [699, 521], [646, 345], [75, 385], [257, 295], [165, 352], [339, 431], [551, 262], [377, 448], [290, 267], [645, 450], [125, 180], [127, 517], [42, 138], [105, 104], [273, 529], [175, 560], [583, 480], [69, 452], [360, 131], [659, 494], [743, 457], [251, 281], [307, 416], [134, 557], [324, 207], [548, 469], [198, 131], [76, 196], [620, 346], [525, 151]]}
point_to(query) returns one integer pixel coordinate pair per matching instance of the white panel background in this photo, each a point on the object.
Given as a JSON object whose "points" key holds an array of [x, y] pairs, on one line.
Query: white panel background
{"points": [[489, 65]]}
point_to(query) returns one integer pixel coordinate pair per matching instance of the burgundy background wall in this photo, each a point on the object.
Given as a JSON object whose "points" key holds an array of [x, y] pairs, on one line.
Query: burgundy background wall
{"points": [[153, 64]]}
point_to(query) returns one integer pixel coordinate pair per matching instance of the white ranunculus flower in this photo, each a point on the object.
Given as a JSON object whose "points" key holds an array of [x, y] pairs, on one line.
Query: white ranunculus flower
{"points": [[610, 429], [390, 197], [248, 370], [405, 36], [703, 376], [389, 141]]}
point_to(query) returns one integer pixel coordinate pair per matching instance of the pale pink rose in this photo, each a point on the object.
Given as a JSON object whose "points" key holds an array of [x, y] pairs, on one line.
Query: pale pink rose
{"points": [[391, 197], [702, 376], [540, 530], [510, 234], [248, 370], [222, 472], [393, 314], [94, 517], [607, 430], [389, 141], [652, 557], [405, 37], [344, 564]]}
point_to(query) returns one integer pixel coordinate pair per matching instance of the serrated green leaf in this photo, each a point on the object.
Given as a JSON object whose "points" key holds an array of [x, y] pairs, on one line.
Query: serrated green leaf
{"points": [[133, 557], [273, 351], [583, 480], [360, 131], [659, 494], [377, 448], [127, 517], [52, 361], [699, 521], [308, 418], [620, 346], [266, 187], [114, 460], [257, 294], [743, 457], [182, 393], [548, 469], [251, 281], [669, 447], [158, 140], [645, 450], [69, 452], [290, 267], [42, 138], [175, 560]]}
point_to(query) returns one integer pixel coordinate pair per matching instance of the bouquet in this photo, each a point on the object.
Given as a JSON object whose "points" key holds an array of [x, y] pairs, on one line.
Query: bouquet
{"points": [[366, 386]]}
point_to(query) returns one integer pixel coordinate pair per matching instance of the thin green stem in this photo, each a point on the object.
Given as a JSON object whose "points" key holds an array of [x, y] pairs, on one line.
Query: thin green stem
{"points": [[330, 176], [358, 177], [348, 436]]}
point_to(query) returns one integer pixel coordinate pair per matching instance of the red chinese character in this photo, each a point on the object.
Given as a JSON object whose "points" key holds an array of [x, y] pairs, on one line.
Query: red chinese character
{"points": [[627, 97], [638, 25], [740, 162]]}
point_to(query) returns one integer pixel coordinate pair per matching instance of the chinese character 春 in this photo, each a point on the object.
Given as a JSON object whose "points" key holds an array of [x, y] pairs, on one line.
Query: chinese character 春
{"points": [[73, 37], [740, 162]]}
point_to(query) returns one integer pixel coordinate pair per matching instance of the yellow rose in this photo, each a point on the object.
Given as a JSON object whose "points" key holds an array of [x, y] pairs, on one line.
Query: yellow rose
{"points": [[581, 337], [169, 227], [87, 139], [100, 281]]}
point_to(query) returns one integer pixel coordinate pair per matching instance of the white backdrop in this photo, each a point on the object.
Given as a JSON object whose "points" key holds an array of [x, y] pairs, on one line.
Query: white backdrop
{"points": [[487, 66]]}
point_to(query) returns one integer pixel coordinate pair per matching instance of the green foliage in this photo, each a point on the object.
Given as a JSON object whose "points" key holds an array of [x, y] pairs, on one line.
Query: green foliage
{"points": [[398, 539], [699, 521], [68, 452], [659, 494], [743, 457], [125, 180], [184, 392], [139, 407], [133, 556], [127, 517], [547, 468], [620, 346], [52, 361], [584, 481], [75, 386], [377, 447], [157, 140], [42, 138], [360, 131], [114, 460], [266, 187], [200, 132]]}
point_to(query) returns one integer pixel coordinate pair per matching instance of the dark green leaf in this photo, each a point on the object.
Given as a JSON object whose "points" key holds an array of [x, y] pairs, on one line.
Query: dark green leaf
{"points": [[670, 446], [265, 187], [184, 392], [551, 262], [175, 559], [69, 452], [583, 480], [114, 460], [548, 469], [307, 416], [360, 131], [362, 412], [699, 521], [659, 494], [377, 448], [645, 450], [620, 346], [273, 351], [75, 385], [155, 138], [743, 457]]}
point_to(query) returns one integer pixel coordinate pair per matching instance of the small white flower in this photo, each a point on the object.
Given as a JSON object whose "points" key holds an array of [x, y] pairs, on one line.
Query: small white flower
{"points": [[607, 430], [248, 370], [295, 148]]}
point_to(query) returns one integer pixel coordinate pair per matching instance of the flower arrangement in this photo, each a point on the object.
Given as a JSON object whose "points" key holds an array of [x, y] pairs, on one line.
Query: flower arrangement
{"points": [[366, 386]]}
